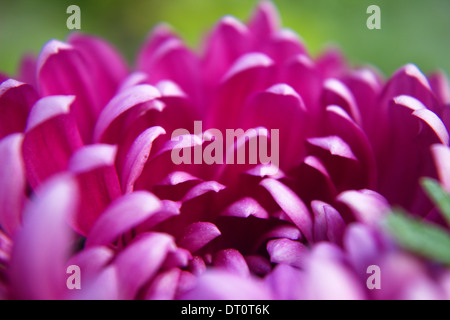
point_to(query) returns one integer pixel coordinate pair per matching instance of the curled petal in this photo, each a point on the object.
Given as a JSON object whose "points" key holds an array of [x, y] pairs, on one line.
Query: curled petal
{"points": [[197, 235], [441, 156], [367, 206], [291, 204], [51, 137], [140, 260], [244, 208], [137, 157], [231, 260], [41, 246], [121, 215], [265, 22], [287, 251], [123, 101], [328, 223], [164, 286], [94, 168], [16, 99], [336, 92], [223, 285], [12, 183], [286, 282]]}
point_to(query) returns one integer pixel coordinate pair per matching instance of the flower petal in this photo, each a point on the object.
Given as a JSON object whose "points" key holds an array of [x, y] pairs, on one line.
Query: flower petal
{"points": [[41, 246], [197, 235], [121, 215], [51, 137], [231, 260], [16, 99], [12, 183], [287, 251], [140, 260], [94, 168], [291, 204]]}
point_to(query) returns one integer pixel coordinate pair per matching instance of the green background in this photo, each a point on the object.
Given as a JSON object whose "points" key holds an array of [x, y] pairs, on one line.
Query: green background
{"points": [[416, 31]]}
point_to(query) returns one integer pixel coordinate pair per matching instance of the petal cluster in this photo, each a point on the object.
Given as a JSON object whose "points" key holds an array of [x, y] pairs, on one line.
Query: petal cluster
{"points": [[87, 179]]}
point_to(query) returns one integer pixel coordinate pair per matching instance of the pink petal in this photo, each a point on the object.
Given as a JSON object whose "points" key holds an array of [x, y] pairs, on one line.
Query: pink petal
{"points": [[228, 40], [92, 261], [287, 251], [328, 223], [301, 73], [140, 260], [164, 285], [250, 73], [337, 93], [12, 183], [197, 235], [125, 100], [106, 65], [222, 285], [121, 215], [137, 156], [16, 99], [286, 282], [441, 156], [276, 108], [51, 137], [265, 22], [244, 208], [63, 70], [328, 279], [367, 206], [291, 204], [40, 247], [94, 168], [231, 260]]}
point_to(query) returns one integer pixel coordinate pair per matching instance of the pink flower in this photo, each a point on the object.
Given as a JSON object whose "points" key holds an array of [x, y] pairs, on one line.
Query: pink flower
{"points": [[86, 143]]}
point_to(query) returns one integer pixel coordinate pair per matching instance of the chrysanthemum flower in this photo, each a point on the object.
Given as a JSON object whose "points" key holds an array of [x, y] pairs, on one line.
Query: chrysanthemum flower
{"points": [[87, 179]]}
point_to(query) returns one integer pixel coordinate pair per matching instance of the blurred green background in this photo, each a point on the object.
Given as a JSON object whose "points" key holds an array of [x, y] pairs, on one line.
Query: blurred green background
{"points": [[416, 31]]}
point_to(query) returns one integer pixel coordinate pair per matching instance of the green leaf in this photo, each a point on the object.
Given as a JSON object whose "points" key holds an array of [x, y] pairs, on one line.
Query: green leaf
{"points": [[439, 196], [426, 239]]}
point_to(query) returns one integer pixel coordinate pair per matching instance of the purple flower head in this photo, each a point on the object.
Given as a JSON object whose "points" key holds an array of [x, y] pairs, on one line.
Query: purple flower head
{"points": [[87, 175]]}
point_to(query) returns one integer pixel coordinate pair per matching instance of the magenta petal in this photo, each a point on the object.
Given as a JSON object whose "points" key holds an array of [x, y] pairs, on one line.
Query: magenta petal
{"points": [[123, 101], [292, 205], [329, 279], [264, 23], [103, 287], [328, 223], [286, 282], [94, 168], [63, 70], [12, 183], [106, 65], [164, 285], [251, 72], [284, 45], [441, 156], [140, 260], [337, 93], [197, 235], [137, 156], [277, 108], [367, 206], [287, 251], [231, 260], [16, 99], [441, 87], [92, 261], [301, 73], [223, 285], [362, 247], [244, 208], [431, 120], [40, 247], [51, 137], [409, 80], [228, 41], [121, 215]]}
